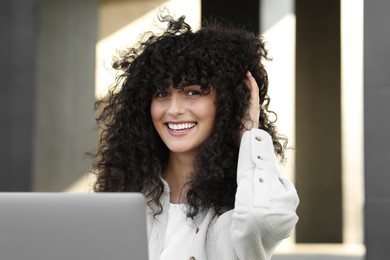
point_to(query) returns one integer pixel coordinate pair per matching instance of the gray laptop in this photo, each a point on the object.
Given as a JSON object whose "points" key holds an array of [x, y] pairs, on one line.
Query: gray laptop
{"points": [[73, 226]]}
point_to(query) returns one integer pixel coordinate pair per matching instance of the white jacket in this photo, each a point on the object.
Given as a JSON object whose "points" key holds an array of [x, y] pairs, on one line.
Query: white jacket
{"points": [[263, 215]]}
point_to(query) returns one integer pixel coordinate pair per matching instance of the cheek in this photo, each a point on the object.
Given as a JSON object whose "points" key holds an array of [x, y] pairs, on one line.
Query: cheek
{"points": [[209, 113], [155, 111], [212, 114], [154, 107]]}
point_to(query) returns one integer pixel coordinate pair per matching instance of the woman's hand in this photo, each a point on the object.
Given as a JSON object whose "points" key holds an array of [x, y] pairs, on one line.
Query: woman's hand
{"points": [[253, 112]]}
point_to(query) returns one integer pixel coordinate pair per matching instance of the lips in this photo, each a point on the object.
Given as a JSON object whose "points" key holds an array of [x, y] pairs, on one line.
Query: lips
{"points": [[181, 126]]}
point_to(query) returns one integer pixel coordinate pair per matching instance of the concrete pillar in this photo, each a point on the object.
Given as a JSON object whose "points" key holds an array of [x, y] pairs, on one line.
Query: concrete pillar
{"points": [[278, 29], [18, 58], [318, 122], [377, 127], [65, 92]]}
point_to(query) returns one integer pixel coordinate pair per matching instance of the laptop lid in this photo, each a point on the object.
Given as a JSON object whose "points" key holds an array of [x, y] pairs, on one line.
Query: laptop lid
{"points": [[73, 226]]}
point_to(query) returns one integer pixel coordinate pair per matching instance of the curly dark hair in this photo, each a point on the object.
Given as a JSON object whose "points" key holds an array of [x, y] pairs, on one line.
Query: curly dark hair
{"points": [[131, 156]]}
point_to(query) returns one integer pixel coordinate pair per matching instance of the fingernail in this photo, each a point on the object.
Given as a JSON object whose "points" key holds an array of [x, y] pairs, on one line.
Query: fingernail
{"points": [[248, 73]]}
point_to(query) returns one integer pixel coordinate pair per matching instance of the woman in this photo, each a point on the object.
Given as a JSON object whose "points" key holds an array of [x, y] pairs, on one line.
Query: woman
{"points": [[188, 126]]}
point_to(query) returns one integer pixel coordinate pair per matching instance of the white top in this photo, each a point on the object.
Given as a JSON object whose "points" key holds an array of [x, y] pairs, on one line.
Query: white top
{"points": [[263, 214], [177, 237]]}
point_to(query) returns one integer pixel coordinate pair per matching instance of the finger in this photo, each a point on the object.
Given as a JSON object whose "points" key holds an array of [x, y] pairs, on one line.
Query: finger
{"points": [[253, 88], [253, 109]]}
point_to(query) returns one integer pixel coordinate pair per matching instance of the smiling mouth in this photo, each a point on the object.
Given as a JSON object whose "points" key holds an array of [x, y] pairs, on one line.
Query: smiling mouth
{"points": [[181, 126]]}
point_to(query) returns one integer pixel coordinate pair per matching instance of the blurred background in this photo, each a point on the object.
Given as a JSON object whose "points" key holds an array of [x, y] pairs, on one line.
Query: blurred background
{"points": [[329, 84]]}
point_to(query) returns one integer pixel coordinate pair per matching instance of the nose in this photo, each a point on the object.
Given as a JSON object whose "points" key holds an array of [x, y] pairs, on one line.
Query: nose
{"points": [[176, 104]]}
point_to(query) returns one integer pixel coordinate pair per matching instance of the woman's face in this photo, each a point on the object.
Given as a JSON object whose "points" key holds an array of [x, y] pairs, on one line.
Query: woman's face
{"points": [[184, 119]]}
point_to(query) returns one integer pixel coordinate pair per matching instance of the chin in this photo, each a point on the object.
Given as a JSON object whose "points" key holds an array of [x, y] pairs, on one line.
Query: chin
{"points": [[177, 149]]}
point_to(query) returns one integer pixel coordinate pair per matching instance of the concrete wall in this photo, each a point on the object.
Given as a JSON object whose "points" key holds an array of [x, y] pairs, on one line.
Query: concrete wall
{"points": [[65, 92], [18, 58], [245, 15], [377, 127], [47, 72], [318, 121]]}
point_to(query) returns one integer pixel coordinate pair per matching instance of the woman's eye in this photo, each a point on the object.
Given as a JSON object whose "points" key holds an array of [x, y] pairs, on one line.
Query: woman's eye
{"points": [[161, 94], [193, 92]]}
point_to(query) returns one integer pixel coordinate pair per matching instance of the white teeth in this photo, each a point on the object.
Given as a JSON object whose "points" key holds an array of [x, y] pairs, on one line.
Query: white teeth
{"points": [[181, 126]]}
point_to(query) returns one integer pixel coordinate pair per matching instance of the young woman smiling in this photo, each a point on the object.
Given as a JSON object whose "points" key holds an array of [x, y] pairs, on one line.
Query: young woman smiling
{"points": [[187, 125]]}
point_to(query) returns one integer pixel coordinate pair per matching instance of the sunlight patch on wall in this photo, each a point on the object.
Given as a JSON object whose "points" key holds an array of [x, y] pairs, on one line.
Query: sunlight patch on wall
{"points": [[280, 42], [129, 34], [352, 119], [84, 184]]}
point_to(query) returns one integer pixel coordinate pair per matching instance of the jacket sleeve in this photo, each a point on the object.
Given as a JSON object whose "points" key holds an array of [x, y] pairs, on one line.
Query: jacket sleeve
{"points": [[265, 205]]}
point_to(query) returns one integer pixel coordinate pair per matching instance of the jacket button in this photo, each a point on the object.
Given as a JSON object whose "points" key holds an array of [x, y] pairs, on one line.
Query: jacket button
{"points": [[259, 157], [261, 180], [258, 138], [192, 258], [197, 230]]}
